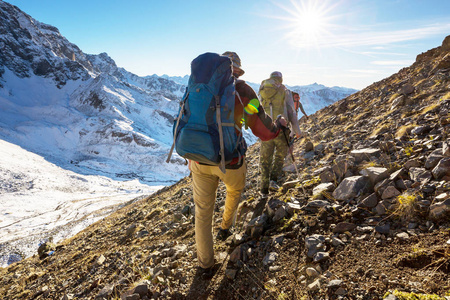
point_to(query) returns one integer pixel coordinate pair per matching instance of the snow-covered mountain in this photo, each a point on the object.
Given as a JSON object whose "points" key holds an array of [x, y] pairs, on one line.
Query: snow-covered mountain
{"points": [[313, 96], [39, 201], [81, 111], [316, 96]]}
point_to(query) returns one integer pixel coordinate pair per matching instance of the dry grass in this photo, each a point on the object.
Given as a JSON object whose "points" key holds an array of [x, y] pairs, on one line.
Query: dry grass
{"points": [[368, 164], [414, 296], [446, 96], [393, 97], [429, 108], [381, 129], [349, 127], [363, 115], [418, 83], [406, 206], [404, 130], [343, 119]]}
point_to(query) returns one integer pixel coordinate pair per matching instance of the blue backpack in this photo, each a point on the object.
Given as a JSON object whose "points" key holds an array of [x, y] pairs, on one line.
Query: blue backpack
{"points": [[205, 130]]}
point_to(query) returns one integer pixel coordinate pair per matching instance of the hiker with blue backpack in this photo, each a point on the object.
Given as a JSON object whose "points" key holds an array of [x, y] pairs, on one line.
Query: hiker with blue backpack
{"points": [[208, 132], [277, 100]]}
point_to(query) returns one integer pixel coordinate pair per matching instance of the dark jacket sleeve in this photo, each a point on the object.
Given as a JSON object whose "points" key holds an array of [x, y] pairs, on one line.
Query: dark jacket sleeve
{"points": [[260, 123]]}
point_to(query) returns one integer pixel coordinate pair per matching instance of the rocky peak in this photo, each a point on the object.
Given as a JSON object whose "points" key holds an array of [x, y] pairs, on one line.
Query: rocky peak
{"points": [[102, 63], [31, 47]]}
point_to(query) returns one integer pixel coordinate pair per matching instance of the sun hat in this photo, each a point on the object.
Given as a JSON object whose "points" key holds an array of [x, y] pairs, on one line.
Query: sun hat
{"points": [[237, 69]]}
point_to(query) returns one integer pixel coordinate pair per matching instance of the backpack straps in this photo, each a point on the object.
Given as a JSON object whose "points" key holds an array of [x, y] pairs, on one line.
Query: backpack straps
{"points": [[241, 134], [219, 123], [176, 126]]}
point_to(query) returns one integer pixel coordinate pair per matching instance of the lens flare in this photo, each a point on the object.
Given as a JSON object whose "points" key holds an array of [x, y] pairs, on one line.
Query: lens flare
{"points": [[252, 107]]}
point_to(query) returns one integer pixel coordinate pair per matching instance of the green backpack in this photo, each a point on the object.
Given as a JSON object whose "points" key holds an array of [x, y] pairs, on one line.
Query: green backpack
{"points": [[272, 97]]}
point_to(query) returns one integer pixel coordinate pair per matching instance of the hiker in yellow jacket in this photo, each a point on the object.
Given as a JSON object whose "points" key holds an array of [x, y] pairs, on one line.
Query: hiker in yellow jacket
{"points": [[276, 100]]}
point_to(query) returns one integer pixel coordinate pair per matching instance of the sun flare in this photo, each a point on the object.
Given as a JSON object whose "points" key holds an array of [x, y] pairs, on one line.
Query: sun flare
{"points": [[309, 22]]}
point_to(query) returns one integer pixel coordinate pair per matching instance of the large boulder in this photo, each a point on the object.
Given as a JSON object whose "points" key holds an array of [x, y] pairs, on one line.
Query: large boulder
{"points": [[433, 159], [341, 167], [442, 169], [446, 149], [382, 185], [350, 187], [419, 174], [390, 192], [440, 211], [365, 154], [370, 201], [322, 188], [446, 43], [375, 174], [407, 89], [46, 249]]}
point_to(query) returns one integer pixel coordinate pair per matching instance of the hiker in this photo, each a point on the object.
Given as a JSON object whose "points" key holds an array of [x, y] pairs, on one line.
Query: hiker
{"points": [[298, 104], [205, 177], [277, 100]]}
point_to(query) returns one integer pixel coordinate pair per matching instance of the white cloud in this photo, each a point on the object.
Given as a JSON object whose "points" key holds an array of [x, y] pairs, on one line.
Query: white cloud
{"points": [[372, 53], [348, 38], [364, 71], [391, 62]]}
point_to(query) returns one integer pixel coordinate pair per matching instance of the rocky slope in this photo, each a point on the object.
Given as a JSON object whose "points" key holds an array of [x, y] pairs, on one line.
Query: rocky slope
{"points": [[366, 219]]}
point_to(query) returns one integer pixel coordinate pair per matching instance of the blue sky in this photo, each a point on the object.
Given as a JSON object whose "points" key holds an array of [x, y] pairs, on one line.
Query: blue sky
{"points": [[349, 43]]}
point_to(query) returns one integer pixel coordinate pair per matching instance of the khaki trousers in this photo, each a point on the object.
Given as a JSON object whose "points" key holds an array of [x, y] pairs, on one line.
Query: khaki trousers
{"points": [[205, 181]]}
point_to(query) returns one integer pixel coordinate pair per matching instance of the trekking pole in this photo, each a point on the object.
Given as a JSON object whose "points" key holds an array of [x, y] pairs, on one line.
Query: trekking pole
{"points": [[293, 159], [290, 151]]}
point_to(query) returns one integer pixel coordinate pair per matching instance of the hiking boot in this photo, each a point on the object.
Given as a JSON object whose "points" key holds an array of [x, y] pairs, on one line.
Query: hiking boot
{"points": [[223, 234], [273, 185], [264, 192], [207, 273]]}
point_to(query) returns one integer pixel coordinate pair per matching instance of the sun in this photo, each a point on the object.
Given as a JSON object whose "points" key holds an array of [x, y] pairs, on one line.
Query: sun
{"points": [[309, 22]]}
